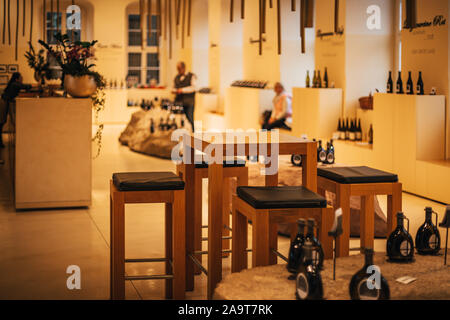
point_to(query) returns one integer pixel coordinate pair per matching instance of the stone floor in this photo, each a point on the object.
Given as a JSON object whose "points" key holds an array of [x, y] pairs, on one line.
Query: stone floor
{"points": [[36, 247]]}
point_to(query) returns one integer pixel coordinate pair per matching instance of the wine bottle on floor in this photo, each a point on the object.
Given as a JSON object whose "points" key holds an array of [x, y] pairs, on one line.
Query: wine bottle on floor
{"points": [[409, 84], [365, 285], [308, 80], [308, 282], [428, 239], [152, 126], [419, 88], [399, 83], [295, 251], [400, 245], [318, 254], [330, 153], [390, 85]]}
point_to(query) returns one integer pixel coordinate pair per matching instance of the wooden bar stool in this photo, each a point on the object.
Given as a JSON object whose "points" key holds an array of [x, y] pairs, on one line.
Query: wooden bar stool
{"points": [[235, 169], [266, 206], [149, 187], [367, 183]]}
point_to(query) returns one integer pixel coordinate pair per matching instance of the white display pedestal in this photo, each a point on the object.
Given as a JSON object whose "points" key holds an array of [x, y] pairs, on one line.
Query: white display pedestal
{"points": [[245, 106], [315, 112], [53, 152], [205, 103]]}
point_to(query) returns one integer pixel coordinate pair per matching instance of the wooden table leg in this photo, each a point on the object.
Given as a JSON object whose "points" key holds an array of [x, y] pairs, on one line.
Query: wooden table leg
{"points": [[239, 257], [343, 201], [261, 253], [117, 246], [394, 205], [367, 222], [215, 186], [272, 181], [226, 214], [178, 247], [198, 231], [189, 180], [309, 165], [168, 248], [326, 223]]}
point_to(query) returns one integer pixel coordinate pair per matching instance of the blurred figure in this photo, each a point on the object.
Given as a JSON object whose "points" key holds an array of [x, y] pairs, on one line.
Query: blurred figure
{"points": [[184, 89], [281, 110], [9, 95]]}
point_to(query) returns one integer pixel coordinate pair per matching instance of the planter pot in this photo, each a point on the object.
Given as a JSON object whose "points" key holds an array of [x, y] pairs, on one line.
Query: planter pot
{"points": [[80, 87]]}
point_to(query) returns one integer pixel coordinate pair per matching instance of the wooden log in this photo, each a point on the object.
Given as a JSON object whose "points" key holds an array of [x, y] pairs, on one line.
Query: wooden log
{"points": [[242, 9], [279, 26]]}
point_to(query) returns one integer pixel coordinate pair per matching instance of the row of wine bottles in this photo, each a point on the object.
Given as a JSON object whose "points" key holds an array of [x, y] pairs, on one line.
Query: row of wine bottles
{"points": [[249, 84], [350, 129], [325, 156], [400, 245], [170, 123], [409, 84], [317, 79], [305, 261]]}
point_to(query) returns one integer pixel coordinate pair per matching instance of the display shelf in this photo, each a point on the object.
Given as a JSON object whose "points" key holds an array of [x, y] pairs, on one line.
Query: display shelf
{"points": [[244, 107], [53, 152], [315, 112], [352, 153]]}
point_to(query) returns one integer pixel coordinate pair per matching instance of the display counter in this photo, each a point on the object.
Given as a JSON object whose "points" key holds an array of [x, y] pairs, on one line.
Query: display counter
{"points": [[53, 152], [315, 112], [244, 107]]}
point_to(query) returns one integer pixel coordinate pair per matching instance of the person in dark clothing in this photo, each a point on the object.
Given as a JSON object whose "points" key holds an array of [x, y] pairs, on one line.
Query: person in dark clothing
{"points": [[281, 111], [184, 89], [9, 95]]}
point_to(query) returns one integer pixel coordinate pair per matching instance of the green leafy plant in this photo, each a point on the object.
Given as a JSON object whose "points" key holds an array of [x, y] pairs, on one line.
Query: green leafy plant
{"points": [[37, 61]]}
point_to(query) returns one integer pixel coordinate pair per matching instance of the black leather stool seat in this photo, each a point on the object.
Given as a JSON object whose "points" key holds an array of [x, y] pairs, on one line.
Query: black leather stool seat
{"points": [[348, 175], [147, 181], [226, 164], [281, 197]]}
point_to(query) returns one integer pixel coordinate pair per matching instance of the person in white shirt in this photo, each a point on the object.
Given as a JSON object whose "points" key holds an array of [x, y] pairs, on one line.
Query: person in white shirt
{"points": [[281, 111], [184, 90]]}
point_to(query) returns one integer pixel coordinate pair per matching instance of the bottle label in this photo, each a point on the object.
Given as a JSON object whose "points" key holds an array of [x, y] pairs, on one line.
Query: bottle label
{"points": [[330, 158], [302, 286], [366, 293], [433, 242], [322, 156], [405, 248], [352, 136], [389, 87]]}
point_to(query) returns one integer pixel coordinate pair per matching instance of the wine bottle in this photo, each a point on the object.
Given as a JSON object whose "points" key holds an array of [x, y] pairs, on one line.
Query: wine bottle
{"points": [[363, 288], [370, 135], [339, 129], [308, 80], [428, 239], [325, 78], [419, 88], [399, 83], [296, 249], [409, 84], [352, 134], [315, 79], [308, 282], [343, 130], [390, 85], [330, 153], [400, 245], [359, 131], [319, 80], [347, 131], [318, 254], [321, 153], [152, 126]]}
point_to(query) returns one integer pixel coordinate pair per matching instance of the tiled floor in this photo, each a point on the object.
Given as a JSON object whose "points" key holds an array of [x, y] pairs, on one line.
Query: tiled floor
{"points": [[36, 247]]}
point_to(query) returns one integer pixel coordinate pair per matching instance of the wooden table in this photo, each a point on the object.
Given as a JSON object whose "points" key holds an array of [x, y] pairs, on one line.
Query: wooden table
{"points": [[242, 146]]}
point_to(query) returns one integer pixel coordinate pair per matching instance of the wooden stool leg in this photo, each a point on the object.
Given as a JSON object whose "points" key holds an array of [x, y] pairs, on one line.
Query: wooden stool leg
{"points": [[190, 185], [168, 222], [343, 201], [261, 239], [178, 245], [239, 259], [117, 245], [394, 205], [272, 181], [326, 223], [367, 221], [226, 214], [198, 218]]}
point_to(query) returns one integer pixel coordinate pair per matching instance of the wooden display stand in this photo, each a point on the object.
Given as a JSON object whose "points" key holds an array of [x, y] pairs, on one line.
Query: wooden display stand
{"points": [[245, 106], [53, 153], [315, 112]]}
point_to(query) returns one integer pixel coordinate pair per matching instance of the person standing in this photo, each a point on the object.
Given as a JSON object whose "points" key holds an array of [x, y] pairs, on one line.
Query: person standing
{"points": [[184, 89], [281, 110], [9, 95]]}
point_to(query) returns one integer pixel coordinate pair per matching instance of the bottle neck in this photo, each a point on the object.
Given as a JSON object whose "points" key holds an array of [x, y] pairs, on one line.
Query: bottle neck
{"points": [[428, 216], [301, 229], [310, 231], [368, 258], [400, 223]]}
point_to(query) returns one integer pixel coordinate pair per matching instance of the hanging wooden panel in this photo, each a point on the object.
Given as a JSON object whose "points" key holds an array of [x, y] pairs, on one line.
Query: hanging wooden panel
{"points": [[149, 15], [263, 18], [4, 21], [158, 17], [44, 20], [260, 27], [24, 15], [293, 5], [336, 16], [242, 9], [9, 22], [31, 19], [302, 24], [142, 22], [411, 14], [279, 26], [170, 28], [183, 24], [309, 11], [17, 28], [189, 18], [231, 10], [58, 19]]}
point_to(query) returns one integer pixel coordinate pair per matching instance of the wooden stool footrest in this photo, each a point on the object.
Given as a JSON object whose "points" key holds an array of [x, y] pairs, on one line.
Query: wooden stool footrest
{"points": [[150, 277], [198, 264], [280, 255]]}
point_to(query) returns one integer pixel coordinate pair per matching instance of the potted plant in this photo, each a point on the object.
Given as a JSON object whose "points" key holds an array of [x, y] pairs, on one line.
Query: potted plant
{"points": [[38, 62], [75, 58]]}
